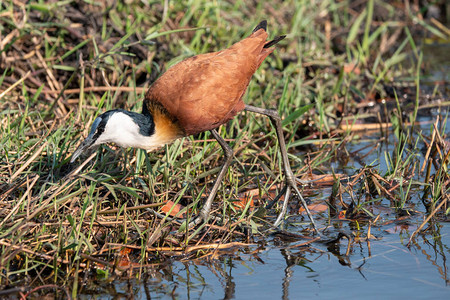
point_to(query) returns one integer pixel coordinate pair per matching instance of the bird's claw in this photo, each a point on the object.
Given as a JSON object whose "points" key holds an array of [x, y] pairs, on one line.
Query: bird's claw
{"points": [[291, 184]]}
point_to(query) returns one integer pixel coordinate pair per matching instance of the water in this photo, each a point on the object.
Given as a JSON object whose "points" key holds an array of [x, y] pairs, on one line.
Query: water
{"points": [[381, 267], [436, 58], [389, 271]]}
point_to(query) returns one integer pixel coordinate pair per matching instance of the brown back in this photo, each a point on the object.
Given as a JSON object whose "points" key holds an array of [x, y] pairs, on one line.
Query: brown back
{"points": [[205, 91]]}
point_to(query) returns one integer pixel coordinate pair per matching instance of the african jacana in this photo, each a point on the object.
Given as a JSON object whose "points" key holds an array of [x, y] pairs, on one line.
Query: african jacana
{"points": [[198, 94]]}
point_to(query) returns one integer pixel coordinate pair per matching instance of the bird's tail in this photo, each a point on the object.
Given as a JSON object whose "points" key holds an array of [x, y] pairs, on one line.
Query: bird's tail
{"points": [[263, 25], [274, 41], [265, 51]]}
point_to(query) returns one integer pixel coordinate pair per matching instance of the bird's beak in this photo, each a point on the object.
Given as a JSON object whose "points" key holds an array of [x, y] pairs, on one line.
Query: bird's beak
{"points": [[86, 144]]}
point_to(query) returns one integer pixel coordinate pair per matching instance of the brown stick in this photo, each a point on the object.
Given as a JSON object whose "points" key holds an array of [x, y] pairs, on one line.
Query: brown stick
{"points": [[138, 90], [28, 251], [426, 221]]}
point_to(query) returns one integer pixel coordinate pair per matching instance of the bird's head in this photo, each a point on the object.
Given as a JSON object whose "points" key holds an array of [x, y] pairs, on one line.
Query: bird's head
{"points": [[125, 128]]}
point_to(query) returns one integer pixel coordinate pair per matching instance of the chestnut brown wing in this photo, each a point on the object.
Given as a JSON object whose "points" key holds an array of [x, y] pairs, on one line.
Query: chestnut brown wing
{"points": [[205, 91]]}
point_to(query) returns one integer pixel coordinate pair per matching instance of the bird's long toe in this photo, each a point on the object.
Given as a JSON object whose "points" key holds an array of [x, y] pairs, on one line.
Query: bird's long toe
{"points": [[291, 185]]}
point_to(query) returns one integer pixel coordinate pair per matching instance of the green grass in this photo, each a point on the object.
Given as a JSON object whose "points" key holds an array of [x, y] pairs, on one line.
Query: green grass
{"points": [[57, 220]]}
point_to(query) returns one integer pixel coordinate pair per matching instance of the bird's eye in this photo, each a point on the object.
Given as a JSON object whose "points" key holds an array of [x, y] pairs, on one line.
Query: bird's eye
{"points": [[95, 125]]}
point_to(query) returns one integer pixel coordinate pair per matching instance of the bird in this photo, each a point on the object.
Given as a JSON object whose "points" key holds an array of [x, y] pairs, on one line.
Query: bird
{"points": [[196, 95]]}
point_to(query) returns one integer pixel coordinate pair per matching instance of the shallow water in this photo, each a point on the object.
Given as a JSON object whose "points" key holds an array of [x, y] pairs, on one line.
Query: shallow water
{"points": [[381, 267], [390, 270]]}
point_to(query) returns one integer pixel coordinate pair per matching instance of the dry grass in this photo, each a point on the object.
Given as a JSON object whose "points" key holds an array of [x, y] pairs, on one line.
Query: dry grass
{"points": [[63, 63]]}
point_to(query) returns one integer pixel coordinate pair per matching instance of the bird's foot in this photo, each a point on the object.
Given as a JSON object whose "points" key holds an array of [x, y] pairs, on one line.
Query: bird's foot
{"points": [[201, 218], [291, 185]]}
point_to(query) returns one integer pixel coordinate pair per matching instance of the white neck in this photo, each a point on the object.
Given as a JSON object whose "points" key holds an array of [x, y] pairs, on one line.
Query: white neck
{"points": [[125, 132]]}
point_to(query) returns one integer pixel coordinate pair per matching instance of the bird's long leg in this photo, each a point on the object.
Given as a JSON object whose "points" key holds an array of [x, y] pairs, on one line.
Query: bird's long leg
{"points": [[228, 153], [289, 176]]}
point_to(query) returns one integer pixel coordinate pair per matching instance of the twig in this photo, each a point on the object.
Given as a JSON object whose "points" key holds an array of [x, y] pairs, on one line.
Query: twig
{"points": [[426, 221], [28, 251], [187, 249], [433, 135], [47, 286], [138, 90], [139, 207], [20, 201], [15, 84], [304, 243], [29, 161]]}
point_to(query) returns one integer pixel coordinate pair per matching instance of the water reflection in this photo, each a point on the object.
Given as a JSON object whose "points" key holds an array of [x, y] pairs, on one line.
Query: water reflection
{"points": [[353, 259], [383, 267]]}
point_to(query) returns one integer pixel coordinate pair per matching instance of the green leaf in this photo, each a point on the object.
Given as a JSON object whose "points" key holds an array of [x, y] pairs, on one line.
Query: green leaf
{"points": [[80, 45], [355, 27], [70, 246], [156, 34], [71, 220], [123, 40], [296, 114], [64, 68], [130, 191]]}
